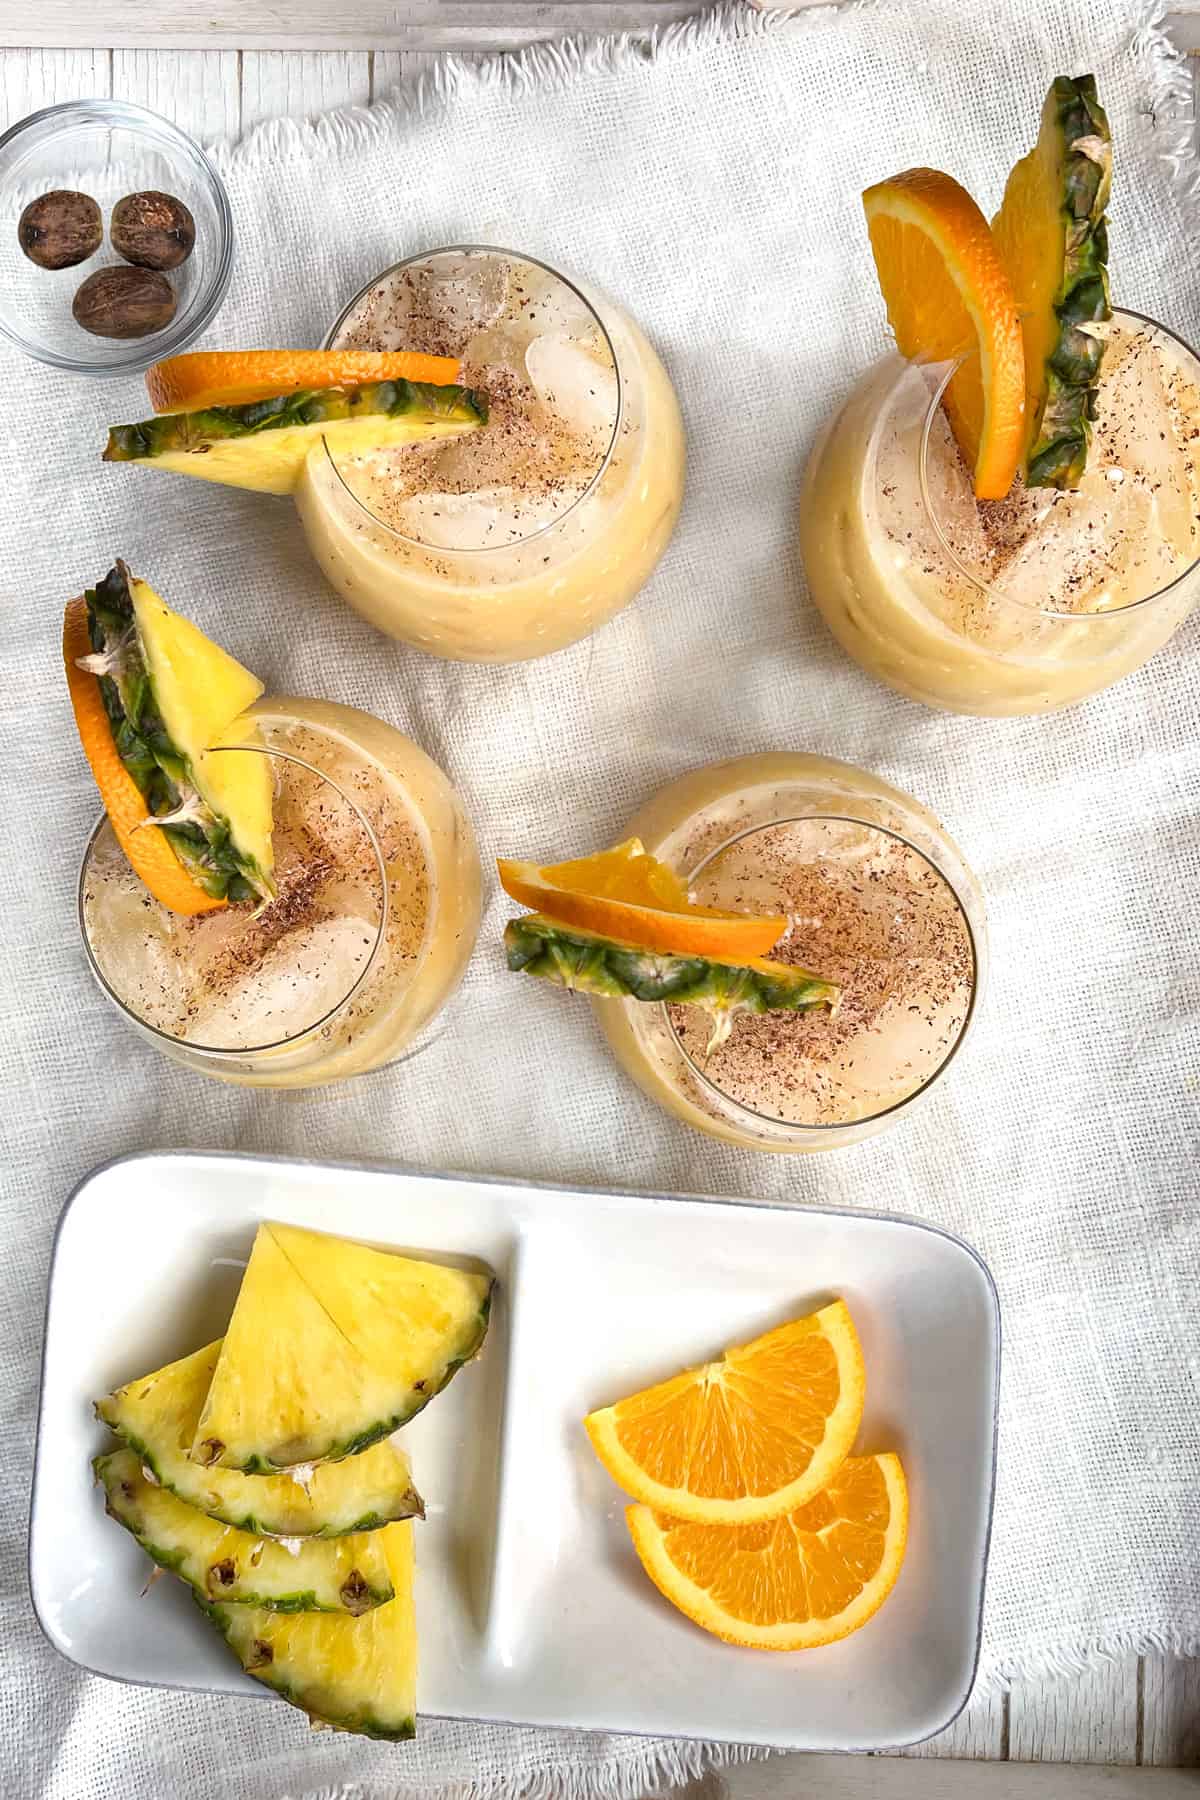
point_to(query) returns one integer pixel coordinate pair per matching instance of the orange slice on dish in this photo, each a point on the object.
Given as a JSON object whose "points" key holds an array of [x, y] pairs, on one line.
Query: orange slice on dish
{"points": [[206, 378], [748, 1437], [630, 896], [149, 851], [948, 295], [810, 1577]]}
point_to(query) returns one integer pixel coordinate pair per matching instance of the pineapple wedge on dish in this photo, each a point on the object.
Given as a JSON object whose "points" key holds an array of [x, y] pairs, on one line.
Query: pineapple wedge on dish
{"points": [[353, 1674], [157, 1416], [332, 1345], [218, 1562]]}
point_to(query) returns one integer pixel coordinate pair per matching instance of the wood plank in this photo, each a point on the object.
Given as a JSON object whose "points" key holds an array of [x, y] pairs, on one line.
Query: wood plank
{"points": [[314, 24], [297, 85], [31, 79], [1171, 1711], [900, 1778], [392, 68], [199, 89], [368, 25], [1092, 1718], [980, 1732]]}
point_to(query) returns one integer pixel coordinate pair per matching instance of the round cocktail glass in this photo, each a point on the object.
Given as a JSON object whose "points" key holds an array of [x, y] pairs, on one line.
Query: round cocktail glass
{"points": [[878, 899], [369, 934], [1023, 605], [524, 537]]}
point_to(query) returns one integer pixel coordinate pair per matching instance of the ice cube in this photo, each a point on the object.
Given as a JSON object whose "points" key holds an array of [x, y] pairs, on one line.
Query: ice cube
{"points": [[546, 303], [300, 979], [140, 948], [437, 306], [490, 518], [466, 296], [575, 379], [493, 354]]}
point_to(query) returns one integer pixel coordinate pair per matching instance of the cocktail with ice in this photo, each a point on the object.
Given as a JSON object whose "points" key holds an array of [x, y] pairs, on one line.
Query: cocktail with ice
{"points": [[871, 892], [369, 930], [1015, 605], [1003, 517], [520, 538], [283, 892]]}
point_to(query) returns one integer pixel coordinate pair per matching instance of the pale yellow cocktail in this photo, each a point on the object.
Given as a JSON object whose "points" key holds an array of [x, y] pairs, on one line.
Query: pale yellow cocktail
{"points": [[1020, 605], [878, 900], [524, 537], [371, 929]]}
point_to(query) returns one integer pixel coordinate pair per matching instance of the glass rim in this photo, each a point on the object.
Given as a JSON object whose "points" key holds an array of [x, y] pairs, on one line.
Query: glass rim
{"points": [[224, 1052], [799, 1127], [972, 575], [520, 256], [182, 330]]}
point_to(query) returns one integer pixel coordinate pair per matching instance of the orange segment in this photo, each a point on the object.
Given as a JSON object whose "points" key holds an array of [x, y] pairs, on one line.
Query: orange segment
{"points": [[948, 295], [808, 1578], [239, 377], [149, 851], [629, 895], [748, 1437]]}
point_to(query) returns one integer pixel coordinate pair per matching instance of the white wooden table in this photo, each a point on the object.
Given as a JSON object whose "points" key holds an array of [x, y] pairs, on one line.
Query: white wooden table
{"points": [[219, 67]]}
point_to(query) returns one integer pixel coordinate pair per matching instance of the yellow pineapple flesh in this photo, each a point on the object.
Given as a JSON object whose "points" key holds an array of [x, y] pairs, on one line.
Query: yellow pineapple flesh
{"points": [[354, 1674], [331, 1346], [157, 1416], [201, 693]]}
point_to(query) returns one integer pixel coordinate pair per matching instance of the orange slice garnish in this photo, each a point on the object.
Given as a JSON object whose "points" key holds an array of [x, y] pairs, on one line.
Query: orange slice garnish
{"points": [[810, 1577], [148, 850], [630, 896], [206, 378], [748, 1437], [948, 295]]}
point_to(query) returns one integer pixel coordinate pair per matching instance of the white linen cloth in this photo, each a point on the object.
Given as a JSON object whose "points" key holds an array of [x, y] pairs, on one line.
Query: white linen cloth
{"points": [[713, 187]]}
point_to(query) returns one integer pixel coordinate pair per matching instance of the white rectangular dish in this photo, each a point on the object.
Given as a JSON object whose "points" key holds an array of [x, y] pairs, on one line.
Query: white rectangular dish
{"points": [[531, 1604]]}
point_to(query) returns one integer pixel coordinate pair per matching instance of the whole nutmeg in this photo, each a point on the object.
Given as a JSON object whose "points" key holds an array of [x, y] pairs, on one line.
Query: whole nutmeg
{"points": [[153, 230], [120, 302], [60, 229]]}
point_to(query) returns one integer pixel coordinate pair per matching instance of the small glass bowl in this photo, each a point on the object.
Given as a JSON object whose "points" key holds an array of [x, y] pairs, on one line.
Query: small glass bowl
{"points": [[107, 149]]}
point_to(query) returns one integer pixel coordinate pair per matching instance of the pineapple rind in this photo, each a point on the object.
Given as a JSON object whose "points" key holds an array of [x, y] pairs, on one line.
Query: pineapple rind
{"points": [[590, 964], [1076, 129], [340, 1571], [280, 1508], [218, 443], [313, 406]]}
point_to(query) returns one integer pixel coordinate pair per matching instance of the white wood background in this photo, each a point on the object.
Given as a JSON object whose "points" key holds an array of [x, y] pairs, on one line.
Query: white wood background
{"points": [[220, 67]]}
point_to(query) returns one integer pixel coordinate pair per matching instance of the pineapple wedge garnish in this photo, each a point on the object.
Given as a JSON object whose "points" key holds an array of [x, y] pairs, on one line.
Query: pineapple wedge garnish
{"points": [[590, 964], [331, 1346], [172, 697], [263, 446], [1052, 237]]}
